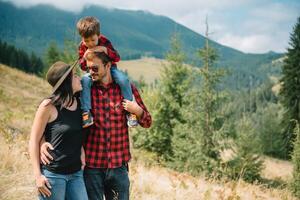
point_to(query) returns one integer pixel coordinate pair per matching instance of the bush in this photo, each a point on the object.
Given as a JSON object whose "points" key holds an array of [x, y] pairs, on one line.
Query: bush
{"points": [[245, 162]]}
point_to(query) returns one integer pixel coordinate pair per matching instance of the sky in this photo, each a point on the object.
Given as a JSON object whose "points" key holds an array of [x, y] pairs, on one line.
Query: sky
{"points": [[252, 26]]}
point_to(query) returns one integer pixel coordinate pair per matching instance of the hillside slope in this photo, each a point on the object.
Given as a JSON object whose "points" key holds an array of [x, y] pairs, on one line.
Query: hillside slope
{"points": [[20, 95]]}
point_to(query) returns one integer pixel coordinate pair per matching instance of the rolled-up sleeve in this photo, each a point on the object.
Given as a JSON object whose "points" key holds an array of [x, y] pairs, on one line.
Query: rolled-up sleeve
{"points": [[145, 121]]}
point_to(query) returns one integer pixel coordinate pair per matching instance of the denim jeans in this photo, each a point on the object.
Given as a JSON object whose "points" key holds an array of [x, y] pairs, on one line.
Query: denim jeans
{"points": [[111, 183], [65, 186], [122, 80], [118, 76]]}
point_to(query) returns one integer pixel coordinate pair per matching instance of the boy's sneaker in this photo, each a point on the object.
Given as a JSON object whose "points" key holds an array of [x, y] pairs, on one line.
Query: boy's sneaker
{"points": [[87, 119], [132, 120]]}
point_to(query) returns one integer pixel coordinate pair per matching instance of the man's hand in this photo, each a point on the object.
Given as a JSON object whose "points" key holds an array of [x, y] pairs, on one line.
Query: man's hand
{"points": [[44, 154], [132, 107], [43, 185]]}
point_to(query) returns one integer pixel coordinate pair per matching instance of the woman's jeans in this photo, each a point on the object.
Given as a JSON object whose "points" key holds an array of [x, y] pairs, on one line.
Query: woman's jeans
{"points": [[65, 186], [111, 183], [118, 76]]}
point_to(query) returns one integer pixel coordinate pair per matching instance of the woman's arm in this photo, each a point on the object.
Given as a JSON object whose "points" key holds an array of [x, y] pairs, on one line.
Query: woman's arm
{"points": [[41, 119]]}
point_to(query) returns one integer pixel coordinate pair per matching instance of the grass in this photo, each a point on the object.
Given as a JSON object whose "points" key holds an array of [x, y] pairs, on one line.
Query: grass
{"points": [[148, 68], [20, 95]]}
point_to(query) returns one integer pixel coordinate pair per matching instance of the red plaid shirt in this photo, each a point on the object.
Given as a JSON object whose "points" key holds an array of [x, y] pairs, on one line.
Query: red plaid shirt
{"points": [[107, 143], [102, 41]]}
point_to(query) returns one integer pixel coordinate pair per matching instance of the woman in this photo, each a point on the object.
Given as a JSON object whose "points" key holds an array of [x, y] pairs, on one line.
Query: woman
{"points": [[58, 120]]}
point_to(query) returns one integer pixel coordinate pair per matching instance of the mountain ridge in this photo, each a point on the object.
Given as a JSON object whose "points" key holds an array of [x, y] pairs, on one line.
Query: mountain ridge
{"points": [[134, 34]]}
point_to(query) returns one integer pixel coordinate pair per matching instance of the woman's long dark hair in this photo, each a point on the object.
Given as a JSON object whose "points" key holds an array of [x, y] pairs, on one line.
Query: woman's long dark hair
{"points": [[64, 93]]}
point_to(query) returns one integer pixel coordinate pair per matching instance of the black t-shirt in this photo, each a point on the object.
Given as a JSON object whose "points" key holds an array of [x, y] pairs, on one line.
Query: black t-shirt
{"points": [[66, 136]]}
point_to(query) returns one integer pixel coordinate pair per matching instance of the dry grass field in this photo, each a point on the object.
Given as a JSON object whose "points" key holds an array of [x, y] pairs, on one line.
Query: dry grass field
{"points": [[148, 68]]}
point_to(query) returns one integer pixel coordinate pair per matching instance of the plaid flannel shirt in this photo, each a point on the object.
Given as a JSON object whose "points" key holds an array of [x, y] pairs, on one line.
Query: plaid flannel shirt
{"points": [[107, 142], [102, 41]]}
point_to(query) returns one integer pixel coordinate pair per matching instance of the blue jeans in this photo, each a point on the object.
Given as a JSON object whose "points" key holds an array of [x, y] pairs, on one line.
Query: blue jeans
{"points": [[65, 186], [118, 76], [111, 183]]}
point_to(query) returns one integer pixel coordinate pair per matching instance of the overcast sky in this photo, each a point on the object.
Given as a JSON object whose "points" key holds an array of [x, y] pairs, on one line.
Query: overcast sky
{"points": [[254, 26]]}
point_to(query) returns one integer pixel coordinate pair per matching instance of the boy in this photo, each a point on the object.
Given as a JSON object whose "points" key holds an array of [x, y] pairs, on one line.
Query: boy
{"points": [[89, 30]]}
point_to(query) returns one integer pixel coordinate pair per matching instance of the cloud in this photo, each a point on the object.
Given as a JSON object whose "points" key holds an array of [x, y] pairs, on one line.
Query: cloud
{"points": [[253, 43]]}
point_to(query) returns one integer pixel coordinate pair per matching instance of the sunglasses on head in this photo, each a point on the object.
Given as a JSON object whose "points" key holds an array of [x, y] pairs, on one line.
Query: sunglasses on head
{"points": [[93, 68]]}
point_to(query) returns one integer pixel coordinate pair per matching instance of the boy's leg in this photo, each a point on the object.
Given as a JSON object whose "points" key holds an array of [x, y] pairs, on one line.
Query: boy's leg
{"points": [[122, 80], [86, 82]]}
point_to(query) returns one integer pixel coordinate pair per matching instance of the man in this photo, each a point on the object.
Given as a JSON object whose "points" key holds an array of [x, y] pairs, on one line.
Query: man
{"points": [[107, 143]]}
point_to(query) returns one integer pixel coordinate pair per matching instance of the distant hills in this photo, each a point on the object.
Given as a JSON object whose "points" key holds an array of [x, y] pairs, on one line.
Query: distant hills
{"points": [[133, 33]]}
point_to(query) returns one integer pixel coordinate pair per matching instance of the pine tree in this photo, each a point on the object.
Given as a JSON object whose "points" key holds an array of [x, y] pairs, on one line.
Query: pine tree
{"points": [[291, 88], [195, 142], [246, 162], [209, 99], [170, 100]]}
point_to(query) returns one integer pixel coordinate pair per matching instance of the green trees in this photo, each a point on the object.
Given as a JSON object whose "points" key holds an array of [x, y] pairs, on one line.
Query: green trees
{"points": [[52, 54], [291, 88], [291, 101], [169, 103], [17, 58], [190, 130], [195, 143], [185, 114]]}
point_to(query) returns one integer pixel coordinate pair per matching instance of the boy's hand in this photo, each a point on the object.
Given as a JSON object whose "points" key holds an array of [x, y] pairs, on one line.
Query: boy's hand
{"points": [[88, 55], [88, 52], [99, 49]]}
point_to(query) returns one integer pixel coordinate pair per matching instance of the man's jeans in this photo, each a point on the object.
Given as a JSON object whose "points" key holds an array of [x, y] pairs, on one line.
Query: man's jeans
{"points": [[65, 186], [113, 183]]}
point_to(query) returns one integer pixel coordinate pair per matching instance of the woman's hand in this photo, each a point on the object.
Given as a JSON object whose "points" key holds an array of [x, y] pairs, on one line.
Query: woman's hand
{"points": [[44, 154], [43, 185]]}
